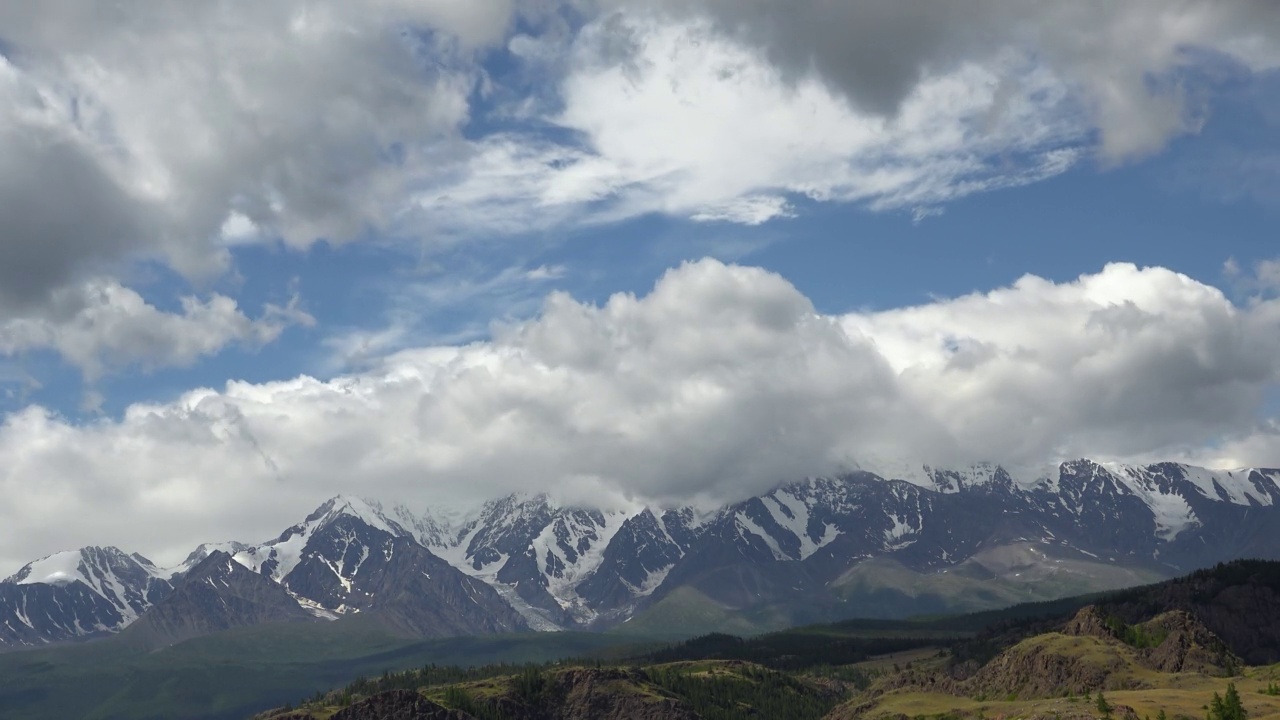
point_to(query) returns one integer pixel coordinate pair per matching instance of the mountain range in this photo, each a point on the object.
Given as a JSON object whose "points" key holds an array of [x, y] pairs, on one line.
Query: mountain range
{"points": [[872, 542]]}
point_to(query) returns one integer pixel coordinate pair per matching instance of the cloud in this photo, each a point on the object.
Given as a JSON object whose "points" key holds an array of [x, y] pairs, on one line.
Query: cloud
{"points": [[102, 326], [175, 131], [144, 130], [1260, 280], [179, 132], [1124, 59], [720, 382], [676, 118], [440, 307], [1125, 363]]}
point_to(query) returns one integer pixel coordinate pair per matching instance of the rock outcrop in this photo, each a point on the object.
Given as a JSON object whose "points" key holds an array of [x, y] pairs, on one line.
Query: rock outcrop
{"points": [[398, 705], [1188, 646], [1088, 623]]}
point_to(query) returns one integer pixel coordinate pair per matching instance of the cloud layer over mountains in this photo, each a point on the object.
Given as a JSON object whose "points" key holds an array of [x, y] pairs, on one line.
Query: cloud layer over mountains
{"points": [[164, 138], [717, 384]]}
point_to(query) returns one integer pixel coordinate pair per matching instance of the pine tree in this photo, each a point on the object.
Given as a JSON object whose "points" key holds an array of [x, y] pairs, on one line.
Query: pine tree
{"points": [[1217, 709], [1231, 704], [1103, 706]]}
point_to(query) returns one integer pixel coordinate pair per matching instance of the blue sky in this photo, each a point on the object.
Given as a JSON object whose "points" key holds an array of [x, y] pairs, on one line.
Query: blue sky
{"points": [[451, 249]]}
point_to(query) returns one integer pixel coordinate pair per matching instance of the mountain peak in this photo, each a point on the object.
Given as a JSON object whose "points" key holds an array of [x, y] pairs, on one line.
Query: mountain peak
{"points": [[364, 509], [68, 566]]}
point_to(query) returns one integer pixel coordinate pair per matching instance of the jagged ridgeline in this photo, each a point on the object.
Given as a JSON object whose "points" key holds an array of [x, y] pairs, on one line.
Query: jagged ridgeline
{"points": [[893, 543], [1169, 650]]}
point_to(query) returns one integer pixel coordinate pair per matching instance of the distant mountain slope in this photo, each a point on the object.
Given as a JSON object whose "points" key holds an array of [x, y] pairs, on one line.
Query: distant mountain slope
{"points": [[217, 594], [888, 541], [348, 557], [79, 594]]}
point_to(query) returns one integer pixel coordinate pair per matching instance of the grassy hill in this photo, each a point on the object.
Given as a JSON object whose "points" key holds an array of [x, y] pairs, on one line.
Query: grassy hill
{"points": [[1147, 651]]}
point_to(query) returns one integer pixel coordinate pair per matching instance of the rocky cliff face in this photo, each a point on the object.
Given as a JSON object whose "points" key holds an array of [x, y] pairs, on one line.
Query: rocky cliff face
{"points": [[217, 594], [398, 705], [1186, 645]]}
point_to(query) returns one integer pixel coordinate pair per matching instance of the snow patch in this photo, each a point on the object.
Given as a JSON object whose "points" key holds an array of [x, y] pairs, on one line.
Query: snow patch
{"points": [[898, 536], [797, 524], [58, 569], [746, 524]]}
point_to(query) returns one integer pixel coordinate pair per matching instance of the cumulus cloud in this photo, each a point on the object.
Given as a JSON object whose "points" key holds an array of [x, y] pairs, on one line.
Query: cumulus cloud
{"points": [[144, 129], [718, 110], [181, 129], [1124, 58], [686, 121], [177, 132], [1127, 362], [718, 383], [103, 325]]}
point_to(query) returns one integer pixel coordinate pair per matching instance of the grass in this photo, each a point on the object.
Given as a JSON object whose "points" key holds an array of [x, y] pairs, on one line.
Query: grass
{"points": [[1180, 694]]}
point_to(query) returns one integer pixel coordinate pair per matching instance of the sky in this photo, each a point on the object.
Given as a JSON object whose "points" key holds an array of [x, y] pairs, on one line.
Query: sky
{"points": [[253, 255]]}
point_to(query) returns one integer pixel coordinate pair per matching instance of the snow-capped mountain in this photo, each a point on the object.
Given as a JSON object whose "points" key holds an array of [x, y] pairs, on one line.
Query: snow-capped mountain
{"points": [[349, 557], [535, 553], [861, 544], [881, 540], [77, 594], [216, 594]]}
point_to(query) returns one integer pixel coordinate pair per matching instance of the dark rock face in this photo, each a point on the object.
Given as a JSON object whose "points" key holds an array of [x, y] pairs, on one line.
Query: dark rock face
{"points": [[609, 694], [423, 596], [218, 594], [1088, 623], [1188, 646], [1238, 602], [594, 694], [644, 548], [398, 705]]}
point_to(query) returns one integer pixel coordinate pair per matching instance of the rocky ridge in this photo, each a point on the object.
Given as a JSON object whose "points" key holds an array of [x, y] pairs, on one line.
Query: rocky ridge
{"points": [[804, 551]]}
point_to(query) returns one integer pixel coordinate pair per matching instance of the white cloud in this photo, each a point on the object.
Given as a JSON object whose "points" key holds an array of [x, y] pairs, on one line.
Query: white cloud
{"points": [[691, 123], [720, 110], [746, 210], [147, 129], [103, 325], [718, 383], [1128, 362], [181, 128], [175, 131], [1122, 59]]}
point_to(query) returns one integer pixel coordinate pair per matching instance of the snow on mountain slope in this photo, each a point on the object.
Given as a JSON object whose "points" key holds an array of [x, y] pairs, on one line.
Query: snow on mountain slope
{"points": [[122, 580], [277, 558], [203, 551], [57, 569], [571, 547], [563, 567], [1170, 509], [1235, 486], [78, 593]]}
